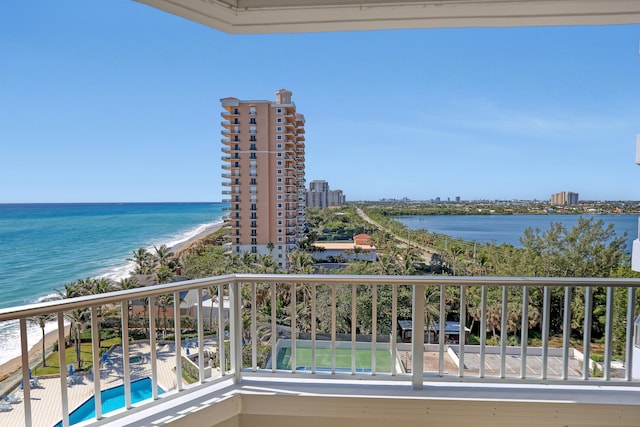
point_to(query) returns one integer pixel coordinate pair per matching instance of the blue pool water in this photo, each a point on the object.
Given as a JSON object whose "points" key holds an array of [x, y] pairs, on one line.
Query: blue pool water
{"points": [[112, 399]]}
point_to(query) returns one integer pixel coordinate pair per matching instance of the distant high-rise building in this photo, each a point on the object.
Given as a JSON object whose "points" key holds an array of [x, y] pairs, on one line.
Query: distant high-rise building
{"points": [[335, 198], [457, 199], [564, 198], [264, 167], [320, 196]]}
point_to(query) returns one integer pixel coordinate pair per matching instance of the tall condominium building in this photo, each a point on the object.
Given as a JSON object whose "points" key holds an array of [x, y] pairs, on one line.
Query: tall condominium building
{"points": [[320, 196], [564, 198], [263, 145]]}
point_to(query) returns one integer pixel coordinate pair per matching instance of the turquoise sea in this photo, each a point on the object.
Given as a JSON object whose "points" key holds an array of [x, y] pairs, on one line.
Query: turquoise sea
{"points": [[45, 246]]}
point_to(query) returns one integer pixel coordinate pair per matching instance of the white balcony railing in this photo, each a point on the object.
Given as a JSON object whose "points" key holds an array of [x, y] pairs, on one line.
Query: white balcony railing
{"points": [[300, 319]]}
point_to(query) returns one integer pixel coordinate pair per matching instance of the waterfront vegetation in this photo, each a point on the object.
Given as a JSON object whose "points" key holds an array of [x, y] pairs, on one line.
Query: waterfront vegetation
{"points": [[590, 249], [483, 207]]}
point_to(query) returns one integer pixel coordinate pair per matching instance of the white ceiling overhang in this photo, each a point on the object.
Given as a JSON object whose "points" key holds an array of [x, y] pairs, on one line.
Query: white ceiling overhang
{"points": [[289, 16]]}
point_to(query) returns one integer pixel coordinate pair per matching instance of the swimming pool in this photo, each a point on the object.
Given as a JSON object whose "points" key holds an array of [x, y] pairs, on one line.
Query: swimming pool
{"points": [[112, 399], [136, 359]]}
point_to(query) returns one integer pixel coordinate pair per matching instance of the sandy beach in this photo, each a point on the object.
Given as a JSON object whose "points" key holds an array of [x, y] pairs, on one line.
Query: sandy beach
{"points": [[9, 369], [183, 246], [35, 354]]}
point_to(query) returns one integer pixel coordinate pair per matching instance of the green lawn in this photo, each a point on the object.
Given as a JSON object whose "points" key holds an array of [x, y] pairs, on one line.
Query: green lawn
{"points": [[343, 359], [53, 361]]}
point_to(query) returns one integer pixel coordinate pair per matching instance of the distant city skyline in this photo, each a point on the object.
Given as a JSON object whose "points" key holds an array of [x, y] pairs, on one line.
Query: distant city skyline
{"points": [[119, 102]]}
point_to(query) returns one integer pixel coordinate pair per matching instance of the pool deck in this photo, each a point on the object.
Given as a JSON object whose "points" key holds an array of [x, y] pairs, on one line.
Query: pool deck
{"points": [[46, 401]]}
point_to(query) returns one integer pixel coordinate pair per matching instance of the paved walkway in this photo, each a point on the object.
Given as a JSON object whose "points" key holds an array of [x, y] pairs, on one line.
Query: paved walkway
{"points": [[46, 400]]}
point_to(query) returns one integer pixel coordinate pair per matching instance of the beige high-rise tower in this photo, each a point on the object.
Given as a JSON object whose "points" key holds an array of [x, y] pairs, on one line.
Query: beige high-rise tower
{"points": [[263, 146]]}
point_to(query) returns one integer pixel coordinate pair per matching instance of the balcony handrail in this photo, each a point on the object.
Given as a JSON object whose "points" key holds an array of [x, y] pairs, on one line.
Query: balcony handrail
{"points": [[66, 304]]}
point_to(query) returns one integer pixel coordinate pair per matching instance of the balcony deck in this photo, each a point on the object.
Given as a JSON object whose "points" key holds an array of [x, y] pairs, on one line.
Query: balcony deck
{"points": [[290, 402]]}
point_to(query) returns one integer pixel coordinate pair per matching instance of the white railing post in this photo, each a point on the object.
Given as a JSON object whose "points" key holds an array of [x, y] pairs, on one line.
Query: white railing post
{"points": [[417, 337], [254, 328], [236, 329], [152, 347], [26, 384], [524, 332], [200, 325], [333, 329], [628, 364], [586, 339], [503, 331], [441, 334], [313, 328], [62, 359], [394, 328], [274, 330], [462, 325], [95, 346], [354, 299], [374, 328], [293, 328], [177, 339], [608, 333], [566, 332], [546, 319], [222, 353], [124, 313]]}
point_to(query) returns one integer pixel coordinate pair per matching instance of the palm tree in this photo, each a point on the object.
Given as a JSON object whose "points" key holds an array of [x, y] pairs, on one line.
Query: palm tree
{"points": [[213, 295], [41, 320], [386, 265], [77, 318], [100, 286], [248, 260], [164, 301], [82, 287], [71, 290], [143, 260], [432, 305], [130, 282], [163, 256], [164, 275], [266, 265], [145, 318], [300, 263], [406, 267]]}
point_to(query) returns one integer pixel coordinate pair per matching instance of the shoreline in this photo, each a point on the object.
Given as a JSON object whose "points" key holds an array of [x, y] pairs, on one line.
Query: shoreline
{"points": [[179, 248], [9, 368]]}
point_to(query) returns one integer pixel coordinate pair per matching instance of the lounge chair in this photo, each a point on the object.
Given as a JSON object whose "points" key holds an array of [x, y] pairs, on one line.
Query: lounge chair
{"points": [[105, 358], [10, 399], [34, 383], [5, 408], [70, 381]]}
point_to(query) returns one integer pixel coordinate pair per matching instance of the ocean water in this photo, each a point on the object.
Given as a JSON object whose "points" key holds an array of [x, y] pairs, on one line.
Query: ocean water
{"points": [[509, 228], [45, 246]]}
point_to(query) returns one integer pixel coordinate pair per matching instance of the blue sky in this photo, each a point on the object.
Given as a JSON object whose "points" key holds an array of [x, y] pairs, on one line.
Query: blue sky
{"points": [[116, 101]]}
